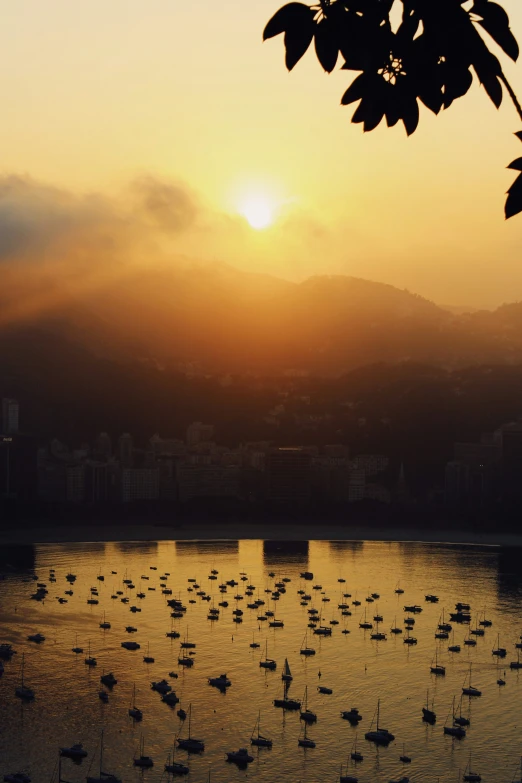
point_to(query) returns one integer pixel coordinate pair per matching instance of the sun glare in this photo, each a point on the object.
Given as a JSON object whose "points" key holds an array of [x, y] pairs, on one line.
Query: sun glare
{"points": [[258, 211]]}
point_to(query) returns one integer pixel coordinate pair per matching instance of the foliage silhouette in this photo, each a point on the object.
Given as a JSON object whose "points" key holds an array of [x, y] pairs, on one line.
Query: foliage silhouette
{"points": [[430, 57]]}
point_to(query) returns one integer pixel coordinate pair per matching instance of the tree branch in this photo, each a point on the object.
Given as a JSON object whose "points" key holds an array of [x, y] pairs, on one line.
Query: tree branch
{"points": [[511, 92]]}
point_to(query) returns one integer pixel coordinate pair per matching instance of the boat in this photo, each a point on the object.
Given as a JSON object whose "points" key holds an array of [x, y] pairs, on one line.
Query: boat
{"points": [[22, 690], [414, 609], [409, 639], [258, 739], [399, 589], [287, 674], [134, 712], [395, 629], [437, 668], [324, 689], [103, 777], [352, 715], [428, 715], [405, 758], [499, 651], [285, 703], [90, 660], [75, 752], [323, 630], [240, 757], [148, 658], [104, 624], [355, 755], [267, 663], [6, 651], [142, 760], [516, 664], [379, 735], [222, 682], [305, 741], [470, 690], [173, 767], [103, 696], [432, 599], [454, 730], [76, 649], [364, 622], [161, 686], [109, 680], [306, 714], [469, 776], [305, 650], [131, 645], [308, 575], [460, 720], [171, 699], [190, 743], [36, 637]]}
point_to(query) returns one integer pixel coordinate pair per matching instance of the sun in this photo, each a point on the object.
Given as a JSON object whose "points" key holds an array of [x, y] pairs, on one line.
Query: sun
{"points": [[258, 211]]}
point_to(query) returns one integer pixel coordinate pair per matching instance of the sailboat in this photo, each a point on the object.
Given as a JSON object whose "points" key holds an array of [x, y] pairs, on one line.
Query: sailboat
{"points": [[355, 755], [305, 741], [365, 624], [470, 690], [437, 668], [394, 629], [104, 624], [454, 730], [191, 744], [428, 715], [499, 651], [148, 658], [267, 663], [285, 702], [186, 644], [469, 776], [254, 645], [173, 767], [22, 691], [77, 649], [103, 777], [516, 664], [134, 712], [305, 650], [90, 661], [142, 760], [347, 778], [379, 735], [459, 719], [258, 739], [307, 715], [287, 674]]}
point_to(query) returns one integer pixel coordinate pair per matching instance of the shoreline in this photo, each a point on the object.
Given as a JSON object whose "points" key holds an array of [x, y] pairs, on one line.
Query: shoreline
{"points": [[236, 531]]}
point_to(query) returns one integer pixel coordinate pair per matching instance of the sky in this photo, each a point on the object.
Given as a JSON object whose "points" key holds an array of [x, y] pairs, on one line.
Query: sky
{"points": [[98, 96]]}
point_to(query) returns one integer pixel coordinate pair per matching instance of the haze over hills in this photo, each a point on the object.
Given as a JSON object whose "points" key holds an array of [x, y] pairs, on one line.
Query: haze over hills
{"points": [[215, 318]]}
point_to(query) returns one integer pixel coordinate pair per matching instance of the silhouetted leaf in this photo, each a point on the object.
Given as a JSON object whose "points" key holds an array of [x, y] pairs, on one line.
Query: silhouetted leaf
{"points": [[326, 46], [516, 164], [496, 22], [518, 134], [298, 38], [494, 89], [355, 91], [514, 199], [289, 16]]}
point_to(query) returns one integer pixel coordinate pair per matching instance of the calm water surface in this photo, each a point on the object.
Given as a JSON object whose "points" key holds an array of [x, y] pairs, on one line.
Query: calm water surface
{"points": [[360, 671]]}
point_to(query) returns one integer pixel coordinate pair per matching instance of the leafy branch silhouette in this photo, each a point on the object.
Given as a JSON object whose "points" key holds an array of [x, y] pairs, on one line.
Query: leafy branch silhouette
{"points": [[430, 57]]}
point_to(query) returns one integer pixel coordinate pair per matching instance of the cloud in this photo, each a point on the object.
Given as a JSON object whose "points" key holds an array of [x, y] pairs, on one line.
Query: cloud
{"points": [[39, 222]]}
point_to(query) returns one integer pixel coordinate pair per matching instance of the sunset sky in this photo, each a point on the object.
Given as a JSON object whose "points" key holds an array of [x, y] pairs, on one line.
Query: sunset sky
{"points": [[96, 94]]}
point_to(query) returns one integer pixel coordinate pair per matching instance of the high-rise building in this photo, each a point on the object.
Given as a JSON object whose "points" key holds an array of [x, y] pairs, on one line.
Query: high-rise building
{"points": [[103, 446], [140, 484], [288, 473], [75, 483], [207, 481], [167, 447], [197, 432], [126, 450], [10, 416]]}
